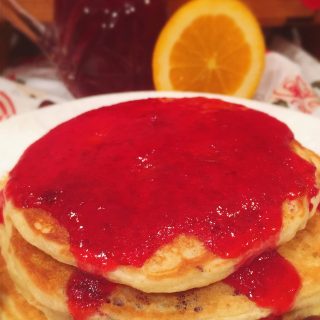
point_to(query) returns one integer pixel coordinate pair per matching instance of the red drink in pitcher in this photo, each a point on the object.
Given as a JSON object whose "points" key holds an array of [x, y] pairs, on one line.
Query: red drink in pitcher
{"points": [[106, 45]]}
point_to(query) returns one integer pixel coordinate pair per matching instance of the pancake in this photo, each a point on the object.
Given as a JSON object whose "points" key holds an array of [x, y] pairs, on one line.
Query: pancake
{"points": [[30, 267], [179, 266], [12, 305], [309, 313], [176, 250]]}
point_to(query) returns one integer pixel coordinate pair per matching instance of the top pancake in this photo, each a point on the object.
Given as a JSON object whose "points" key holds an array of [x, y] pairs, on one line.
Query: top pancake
{"points": [[163, 195]]}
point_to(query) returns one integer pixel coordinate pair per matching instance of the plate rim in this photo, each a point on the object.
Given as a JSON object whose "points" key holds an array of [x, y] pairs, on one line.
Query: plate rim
{"points": [[135, 95], [47, 118]]}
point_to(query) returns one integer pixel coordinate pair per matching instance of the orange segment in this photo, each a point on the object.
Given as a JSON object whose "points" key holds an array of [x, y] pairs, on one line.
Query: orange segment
{"points": [[210, 46]]}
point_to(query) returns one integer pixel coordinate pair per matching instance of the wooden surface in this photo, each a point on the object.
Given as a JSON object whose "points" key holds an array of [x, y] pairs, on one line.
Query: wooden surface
{"points": [[278, 12], [269, 13], [272, 12], [42, 10]]}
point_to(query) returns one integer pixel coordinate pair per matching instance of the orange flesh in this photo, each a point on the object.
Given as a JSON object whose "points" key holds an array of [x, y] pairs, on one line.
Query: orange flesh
{"points": [[209, 55]]}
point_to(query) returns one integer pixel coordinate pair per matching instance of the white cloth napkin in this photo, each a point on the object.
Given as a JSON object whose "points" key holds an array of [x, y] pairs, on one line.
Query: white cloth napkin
{"points": [[291, 78]]}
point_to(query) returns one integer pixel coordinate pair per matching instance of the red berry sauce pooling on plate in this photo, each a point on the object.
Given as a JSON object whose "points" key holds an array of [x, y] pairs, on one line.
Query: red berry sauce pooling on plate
{"points": [[270, 281], [86, 293], [125, 180]]}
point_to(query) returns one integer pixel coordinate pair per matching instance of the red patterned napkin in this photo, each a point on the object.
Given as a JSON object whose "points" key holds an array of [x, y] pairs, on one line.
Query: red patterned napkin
{"points": [[16, 98], [291, 78], [29, 87]]}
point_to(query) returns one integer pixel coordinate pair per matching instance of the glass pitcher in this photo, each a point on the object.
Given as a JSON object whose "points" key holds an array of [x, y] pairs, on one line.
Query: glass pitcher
{"points": [[99, 46]]}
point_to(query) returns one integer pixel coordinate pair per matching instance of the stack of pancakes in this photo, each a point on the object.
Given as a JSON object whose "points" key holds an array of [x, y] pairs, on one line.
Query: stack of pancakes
{"points": [[181, 280]]}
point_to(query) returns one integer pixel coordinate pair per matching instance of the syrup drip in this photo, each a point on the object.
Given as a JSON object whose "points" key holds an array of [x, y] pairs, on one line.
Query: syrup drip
{"points": [[86, 293], [270, 281]]}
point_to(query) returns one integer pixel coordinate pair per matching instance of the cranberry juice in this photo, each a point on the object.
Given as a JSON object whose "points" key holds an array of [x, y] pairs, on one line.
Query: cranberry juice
{"points": [[106, 45]]}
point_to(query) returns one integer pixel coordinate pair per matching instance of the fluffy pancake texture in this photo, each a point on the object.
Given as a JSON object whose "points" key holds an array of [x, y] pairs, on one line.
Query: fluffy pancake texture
{"points": [[12, 305], [309, 313], [29, 267], [183, 264]]}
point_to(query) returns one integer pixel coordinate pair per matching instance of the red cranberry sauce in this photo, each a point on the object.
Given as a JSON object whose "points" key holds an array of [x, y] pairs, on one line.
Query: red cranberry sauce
{"points": [[127, 179], [86, 293], [270, 281]]}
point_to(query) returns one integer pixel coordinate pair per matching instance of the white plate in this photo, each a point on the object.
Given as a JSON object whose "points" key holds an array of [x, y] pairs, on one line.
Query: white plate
{"points": [[19, 132]]}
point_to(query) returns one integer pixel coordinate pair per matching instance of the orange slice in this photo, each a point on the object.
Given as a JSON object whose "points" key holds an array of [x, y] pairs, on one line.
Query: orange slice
{"points": [[210, 46]]}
